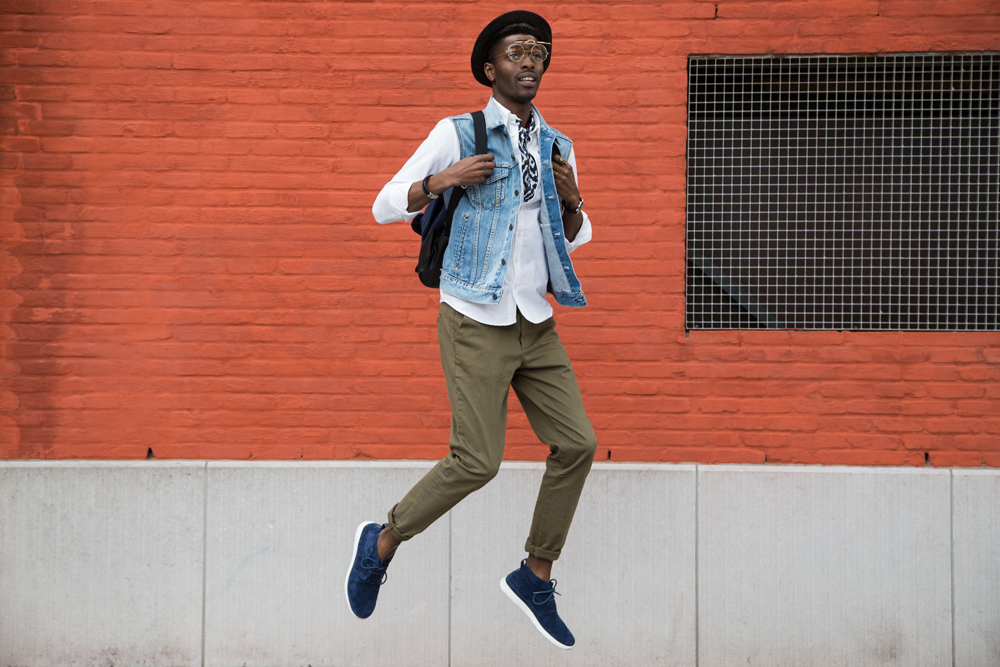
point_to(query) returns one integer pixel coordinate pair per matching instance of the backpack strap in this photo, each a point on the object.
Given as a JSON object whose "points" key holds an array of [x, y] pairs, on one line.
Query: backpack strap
{"points": [[456, 194], [479, 125]]}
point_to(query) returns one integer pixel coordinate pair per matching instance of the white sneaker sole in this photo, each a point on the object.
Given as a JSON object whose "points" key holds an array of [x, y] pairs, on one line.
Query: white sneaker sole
{"points": [[527, 612], [350, 567]]}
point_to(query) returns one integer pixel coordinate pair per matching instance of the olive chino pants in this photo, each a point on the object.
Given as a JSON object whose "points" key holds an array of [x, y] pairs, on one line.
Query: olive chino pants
{"points": [[481, 363]]}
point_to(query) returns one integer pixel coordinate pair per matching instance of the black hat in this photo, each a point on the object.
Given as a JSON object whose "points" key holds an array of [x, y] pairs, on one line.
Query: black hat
{"points": [[480, 52]]}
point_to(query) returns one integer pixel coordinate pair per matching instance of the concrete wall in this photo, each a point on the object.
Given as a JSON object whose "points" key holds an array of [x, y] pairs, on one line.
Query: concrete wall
{"points": [[225, 563]]}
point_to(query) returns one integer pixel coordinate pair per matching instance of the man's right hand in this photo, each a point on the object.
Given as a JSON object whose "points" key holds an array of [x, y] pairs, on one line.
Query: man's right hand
{"points": [[470, 171], [473, 169]]}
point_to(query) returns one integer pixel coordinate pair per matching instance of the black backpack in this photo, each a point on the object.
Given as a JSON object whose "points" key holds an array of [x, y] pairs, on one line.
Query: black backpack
{"points": [[434, 222]]}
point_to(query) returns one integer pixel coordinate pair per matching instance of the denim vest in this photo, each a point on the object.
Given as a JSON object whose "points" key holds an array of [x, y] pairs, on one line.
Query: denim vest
{"points": [[483, 227]]}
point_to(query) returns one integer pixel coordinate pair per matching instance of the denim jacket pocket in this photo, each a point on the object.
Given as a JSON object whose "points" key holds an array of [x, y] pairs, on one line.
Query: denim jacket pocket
{"points": [[492, 191]]}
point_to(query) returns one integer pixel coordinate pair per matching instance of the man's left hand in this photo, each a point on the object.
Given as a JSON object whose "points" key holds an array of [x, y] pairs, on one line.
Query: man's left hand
{"points": [[565, 182]]}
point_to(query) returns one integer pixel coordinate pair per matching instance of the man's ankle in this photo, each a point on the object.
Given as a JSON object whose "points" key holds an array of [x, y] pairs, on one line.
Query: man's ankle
{"points": [[386, 545], [540, 567]]}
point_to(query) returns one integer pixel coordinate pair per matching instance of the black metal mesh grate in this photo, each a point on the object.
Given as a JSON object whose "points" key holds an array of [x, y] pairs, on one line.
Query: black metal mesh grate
{"points": [[844, 192]]}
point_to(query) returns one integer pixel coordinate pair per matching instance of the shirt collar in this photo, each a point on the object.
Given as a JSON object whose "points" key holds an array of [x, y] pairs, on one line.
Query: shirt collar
{"points": [[511, 118]]}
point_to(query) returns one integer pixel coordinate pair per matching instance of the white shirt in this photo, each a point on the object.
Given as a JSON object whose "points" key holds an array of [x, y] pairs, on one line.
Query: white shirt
{"points": [[524, 285]]}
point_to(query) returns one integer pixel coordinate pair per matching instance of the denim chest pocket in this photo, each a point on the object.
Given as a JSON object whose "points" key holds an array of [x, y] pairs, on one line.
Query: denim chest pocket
{"points": [[492, 191]]}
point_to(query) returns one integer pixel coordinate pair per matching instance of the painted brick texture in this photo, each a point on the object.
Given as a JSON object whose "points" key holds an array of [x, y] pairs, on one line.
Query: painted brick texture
{"points": [[190, 264]]}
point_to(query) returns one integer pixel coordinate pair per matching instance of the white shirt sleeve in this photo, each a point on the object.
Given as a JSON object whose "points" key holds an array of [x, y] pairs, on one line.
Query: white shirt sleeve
{"points": [[439, 151], [586, 232]]}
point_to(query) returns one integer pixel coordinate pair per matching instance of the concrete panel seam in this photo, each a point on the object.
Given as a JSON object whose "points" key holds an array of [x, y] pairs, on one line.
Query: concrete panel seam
{"points": [[951, 533], [697, 628], [451, 558], [204, 561]]}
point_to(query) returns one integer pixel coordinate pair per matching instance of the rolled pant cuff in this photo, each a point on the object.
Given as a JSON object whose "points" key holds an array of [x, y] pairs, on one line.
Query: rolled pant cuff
{"points": [[395, 533], [391, 525], [539, 552]]}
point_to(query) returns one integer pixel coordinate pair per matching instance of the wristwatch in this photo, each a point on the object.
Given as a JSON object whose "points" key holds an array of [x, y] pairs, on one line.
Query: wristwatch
{"points": [[431, 195]]}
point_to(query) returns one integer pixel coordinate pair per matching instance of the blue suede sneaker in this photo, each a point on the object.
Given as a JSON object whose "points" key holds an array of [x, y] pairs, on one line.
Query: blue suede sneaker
{"points": [[367, 571], [536, 598]]}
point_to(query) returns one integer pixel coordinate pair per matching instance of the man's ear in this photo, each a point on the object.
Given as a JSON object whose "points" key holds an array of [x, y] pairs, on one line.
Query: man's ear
{"points": [[488, 68]]}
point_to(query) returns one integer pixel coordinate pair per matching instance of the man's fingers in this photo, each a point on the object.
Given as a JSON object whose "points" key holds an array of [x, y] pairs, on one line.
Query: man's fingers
{"points": [[563, 168], [481, 159]]}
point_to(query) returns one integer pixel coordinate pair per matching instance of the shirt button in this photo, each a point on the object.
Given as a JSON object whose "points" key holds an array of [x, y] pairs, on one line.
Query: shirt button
{"points": [[494, 297], [515, 193], [511, 227], [503, 262]]}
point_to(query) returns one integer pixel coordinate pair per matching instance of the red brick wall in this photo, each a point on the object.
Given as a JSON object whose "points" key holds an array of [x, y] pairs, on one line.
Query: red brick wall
{"points": [[190, 263]]}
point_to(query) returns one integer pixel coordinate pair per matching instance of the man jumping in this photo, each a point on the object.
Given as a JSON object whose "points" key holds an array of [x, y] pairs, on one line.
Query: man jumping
{"points": [[510, 241]]}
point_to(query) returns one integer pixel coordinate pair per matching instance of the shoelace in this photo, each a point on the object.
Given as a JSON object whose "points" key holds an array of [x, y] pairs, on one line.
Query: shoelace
{"points": [[377, 567], [548, 593]]}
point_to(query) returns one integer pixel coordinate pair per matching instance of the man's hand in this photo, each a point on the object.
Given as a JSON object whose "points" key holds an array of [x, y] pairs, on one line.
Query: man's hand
{"points": [[565, 182], [473, 169], [570, 194]]}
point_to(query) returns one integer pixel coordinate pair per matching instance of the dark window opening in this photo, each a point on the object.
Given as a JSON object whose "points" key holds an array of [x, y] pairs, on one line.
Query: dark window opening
{"points": [[844, 192]]}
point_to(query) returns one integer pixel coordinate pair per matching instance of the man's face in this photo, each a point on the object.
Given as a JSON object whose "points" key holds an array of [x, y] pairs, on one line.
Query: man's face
{"points": [[517, 81]]}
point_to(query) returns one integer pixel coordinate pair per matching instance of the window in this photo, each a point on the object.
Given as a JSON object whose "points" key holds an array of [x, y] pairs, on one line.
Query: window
{"points": [[844, 192]]}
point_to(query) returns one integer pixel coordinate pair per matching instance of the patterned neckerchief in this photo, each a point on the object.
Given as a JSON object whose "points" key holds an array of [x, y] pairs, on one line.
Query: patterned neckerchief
{"points": [[529, 168]]}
